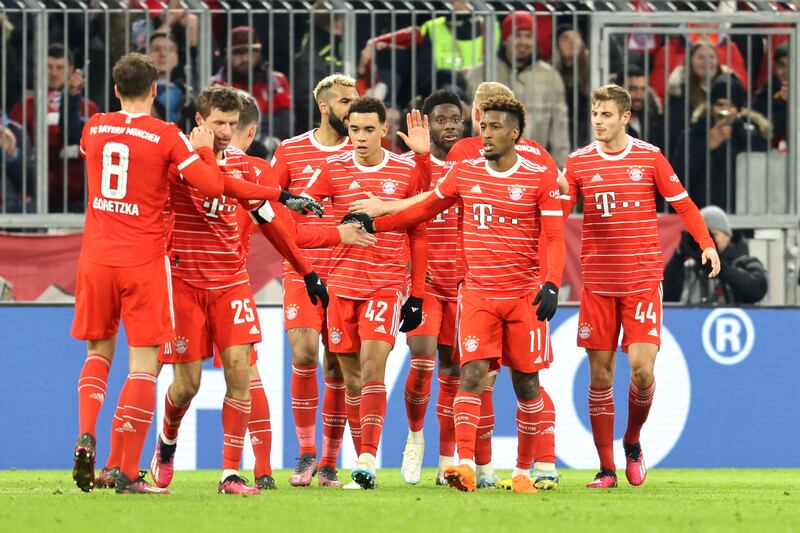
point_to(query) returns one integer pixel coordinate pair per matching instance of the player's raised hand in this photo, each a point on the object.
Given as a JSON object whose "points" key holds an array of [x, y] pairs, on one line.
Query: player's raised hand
{"points": [[301, 204], [362, 219], [711, 255], [371, 205], [419, 136], [316, 289], [354, 235], [411, 314], [200, 137], [546, 301]]}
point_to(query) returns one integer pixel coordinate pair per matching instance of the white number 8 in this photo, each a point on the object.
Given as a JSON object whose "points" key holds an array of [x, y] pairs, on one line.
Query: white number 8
{"points": [[120, 170]]}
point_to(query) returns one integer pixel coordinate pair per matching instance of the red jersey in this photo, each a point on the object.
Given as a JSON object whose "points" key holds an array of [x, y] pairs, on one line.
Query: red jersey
{"points": [[127, 161], [294, 163], [504, 214], [442, 236], [357, 271], [621, 250], [205, 246]]}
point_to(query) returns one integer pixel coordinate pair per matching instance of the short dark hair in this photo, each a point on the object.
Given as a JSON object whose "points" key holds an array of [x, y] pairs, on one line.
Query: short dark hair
{"points": [[162, 35], [439, 98], [249, 113], [134, 74], [57, 51], [226, 99], [368, 104], [510, 106], [634, 71]]}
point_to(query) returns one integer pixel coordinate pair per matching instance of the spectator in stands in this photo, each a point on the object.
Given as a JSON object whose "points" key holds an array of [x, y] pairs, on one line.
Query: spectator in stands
{"points": [[704, 68], [19, 167], [445, 47], [250, 73], [171, 89], [534, 82], [725, 130], [65, 124], [647, 115], [742, 278], [311, 65], [572, 62], [175, 20], [776, 95]]}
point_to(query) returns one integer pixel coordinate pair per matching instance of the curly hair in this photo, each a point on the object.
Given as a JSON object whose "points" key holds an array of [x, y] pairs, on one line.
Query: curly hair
{"points": [[509, 106]]}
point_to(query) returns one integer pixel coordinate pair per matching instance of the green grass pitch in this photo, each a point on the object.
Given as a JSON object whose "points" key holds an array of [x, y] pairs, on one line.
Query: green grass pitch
{"points": [[672, 500]]}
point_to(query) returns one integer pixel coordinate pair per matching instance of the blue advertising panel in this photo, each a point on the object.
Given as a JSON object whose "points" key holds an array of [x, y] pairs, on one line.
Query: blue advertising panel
{"points": [[726, 395]]}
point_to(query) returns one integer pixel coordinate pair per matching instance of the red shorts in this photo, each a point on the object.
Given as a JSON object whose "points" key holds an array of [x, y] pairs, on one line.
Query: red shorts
{"points": [[140, 295], [350, 322], [206, 318], [438, 320], [601, 317], [298, 311], [505, 331]]}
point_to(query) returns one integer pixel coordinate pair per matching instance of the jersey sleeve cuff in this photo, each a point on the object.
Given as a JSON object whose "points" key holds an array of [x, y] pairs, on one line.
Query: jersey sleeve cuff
{"points": [[677, 197]]}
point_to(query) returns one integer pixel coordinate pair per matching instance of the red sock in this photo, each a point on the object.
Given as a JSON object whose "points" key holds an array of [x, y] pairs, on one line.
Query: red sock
{"points": [[545, 440], [529, 418], [352, 406], [601, 415], [418, 389], [305, 400], [483, 439], [140, 402], [260, 429], [466, 414], [334, 418], [91, 392], [373, 411], [235, 414], [172, 417], [115, 441], [639, 402], [448, 387]]}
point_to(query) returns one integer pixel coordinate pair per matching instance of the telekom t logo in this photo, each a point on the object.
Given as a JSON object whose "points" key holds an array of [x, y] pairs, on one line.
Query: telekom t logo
{"points": [[483, 214], [605, 201]]}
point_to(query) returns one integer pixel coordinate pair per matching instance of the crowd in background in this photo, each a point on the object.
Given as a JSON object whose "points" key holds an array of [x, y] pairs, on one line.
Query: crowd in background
{"points": [[700, 97]]}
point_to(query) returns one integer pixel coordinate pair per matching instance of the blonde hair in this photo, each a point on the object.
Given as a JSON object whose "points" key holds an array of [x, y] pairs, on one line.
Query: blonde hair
{"points": [[334, 79], [613, 93], [490, 89]]}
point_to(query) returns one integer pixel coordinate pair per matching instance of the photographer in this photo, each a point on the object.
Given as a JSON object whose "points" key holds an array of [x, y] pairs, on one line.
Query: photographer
{"points": [[742, 278], [715, 134]]}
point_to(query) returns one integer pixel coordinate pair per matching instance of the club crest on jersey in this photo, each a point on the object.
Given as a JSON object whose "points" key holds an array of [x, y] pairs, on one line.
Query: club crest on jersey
{"points": [[389, 187], [181, 344], [635, 173], [335, 336], [292, 311], [515, 192], [585, 330], [236, 174], [471, 343]]}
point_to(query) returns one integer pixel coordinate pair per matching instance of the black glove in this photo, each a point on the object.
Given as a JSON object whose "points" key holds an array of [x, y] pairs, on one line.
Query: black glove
{"points": [[301, 204], [547, 301], [411, 314], [316, 289], [363, 219]]}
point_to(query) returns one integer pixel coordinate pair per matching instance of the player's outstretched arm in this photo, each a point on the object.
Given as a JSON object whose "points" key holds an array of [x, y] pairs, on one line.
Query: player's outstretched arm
{"points": [[274, 230], [201, 171], [411, 216], [375, 207]]}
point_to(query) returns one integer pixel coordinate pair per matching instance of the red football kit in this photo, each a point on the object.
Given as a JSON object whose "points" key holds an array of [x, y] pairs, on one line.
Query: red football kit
{"points": [[366, 283], [294, 163], [621, 259], [122, 269]]}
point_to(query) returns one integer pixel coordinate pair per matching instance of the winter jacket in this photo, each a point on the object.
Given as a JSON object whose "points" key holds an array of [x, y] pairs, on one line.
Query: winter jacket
{"points": [[742, 278]]}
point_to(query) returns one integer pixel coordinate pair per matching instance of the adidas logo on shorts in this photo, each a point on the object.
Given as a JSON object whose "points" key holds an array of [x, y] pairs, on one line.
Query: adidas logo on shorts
{"points": [[254, 330], [380, 329], [653, 332]]}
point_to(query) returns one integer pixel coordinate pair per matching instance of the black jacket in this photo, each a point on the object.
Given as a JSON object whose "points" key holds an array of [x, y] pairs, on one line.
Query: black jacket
{"points": [[742, 278]]}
